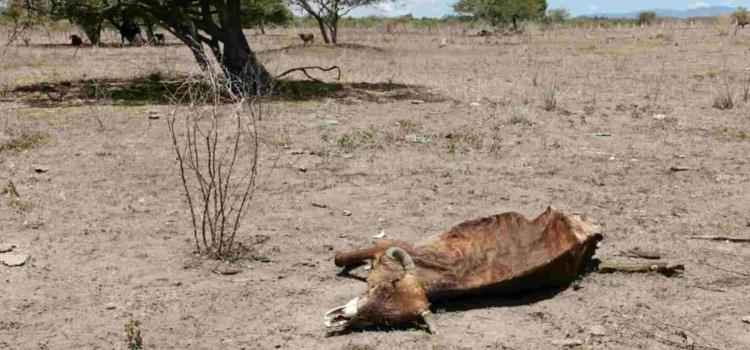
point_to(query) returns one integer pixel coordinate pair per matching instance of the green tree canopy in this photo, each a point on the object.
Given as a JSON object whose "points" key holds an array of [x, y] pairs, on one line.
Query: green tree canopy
{"points": [[216, 24], [259, 13], [88, 15], [647, 17], [557, 15], [502, 11], [741, 17]]}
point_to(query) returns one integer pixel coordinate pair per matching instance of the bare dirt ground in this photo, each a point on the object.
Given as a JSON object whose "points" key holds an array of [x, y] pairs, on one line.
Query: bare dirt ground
{"points": [[108, 232]]}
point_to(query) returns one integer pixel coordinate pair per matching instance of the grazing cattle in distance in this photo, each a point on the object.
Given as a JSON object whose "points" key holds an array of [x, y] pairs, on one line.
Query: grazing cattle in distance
{"points": [[500, 254], [131, 32], [307, 38], [75, 40], [158, 39]]}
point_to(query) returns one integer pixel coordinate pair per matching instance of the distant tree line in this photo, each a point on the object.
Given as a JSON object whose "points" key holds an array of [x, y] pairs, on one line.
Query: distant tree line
{"points": [[216, 25]]}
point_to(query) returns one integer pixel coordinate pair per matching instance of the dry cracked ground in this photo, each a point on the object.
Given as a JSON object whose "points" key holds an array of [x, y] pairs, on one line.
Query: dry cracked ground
{"points": [[426, 137]]}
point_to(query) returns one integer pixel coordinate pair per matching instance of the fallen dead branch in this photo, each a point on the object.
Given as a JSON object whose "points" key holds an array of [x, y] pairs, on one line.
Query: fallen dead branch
{"points": [[304, 71], [722, 238], [663, 268]]}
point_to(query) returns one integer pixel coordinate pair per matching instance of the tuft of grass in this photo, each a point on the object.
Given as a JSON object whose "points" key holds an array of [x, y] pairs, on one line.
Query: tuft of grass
{"points": [[419, 139], [24, 142], [345, 141], [452, 147], [133, 335], [731, 133], [407, 126], [723, 99], [472, 140], [366, 138], [14, 198], [550, 97]]}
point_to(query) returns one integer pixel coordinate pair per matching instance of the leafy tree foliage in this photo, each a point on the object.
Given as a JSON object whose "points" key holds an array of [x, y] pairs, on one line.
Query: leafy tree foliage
{"points": [[557, 15], [23, 15], [260, 13], [502, 11], [741, 17], [647, 17], [88, 15], [216, 24]]}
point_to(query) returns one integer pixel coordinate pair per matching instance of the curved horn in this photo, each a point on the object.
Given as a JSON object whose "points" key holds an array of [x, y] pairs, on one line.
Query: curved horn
{"points": [[401, 256], [428, 319]]}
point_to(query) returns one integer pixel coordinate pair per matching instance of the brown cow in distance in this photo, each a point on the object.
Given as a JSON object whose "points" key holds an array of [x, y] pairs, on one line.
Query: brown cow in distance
{"points": [[307, 38], [497, 254], [76, 40]]}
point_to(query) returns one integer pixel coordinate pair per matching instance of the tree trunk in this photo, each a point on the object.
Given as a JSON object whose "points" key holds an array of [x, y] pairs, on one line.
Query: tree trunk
{"points": [[93, 33], [334, 32], [334, 27], [197, 49], [323, 31], [245, 73], [150, 32], [515, 24]]}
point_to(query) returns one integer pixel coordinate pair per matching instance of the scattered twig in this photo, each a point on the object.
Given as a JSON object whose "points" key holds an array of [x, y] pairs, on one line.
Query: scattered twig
{"points": [[727, 270], [710, 289], [670, 342], [663, 268], [304, 71], [722, 238]]}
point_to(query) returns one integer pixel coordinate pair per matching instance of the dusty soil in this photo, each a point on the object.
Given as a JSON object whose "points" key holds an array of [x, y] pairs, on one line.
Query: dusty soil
{"points": [[108, 232]]}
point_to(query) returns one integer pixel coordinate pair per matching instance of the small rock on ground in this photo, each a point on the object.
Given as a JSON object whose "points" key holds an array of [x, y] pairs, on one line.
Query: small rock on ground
{"points": [[598, 331], [11, 259], [567, 342]]}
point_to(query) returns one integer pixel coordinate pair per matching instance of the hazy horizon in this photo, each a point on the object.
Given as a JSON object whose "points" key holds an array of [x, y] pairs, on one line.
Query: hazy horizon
{"points": [[440, 8]]}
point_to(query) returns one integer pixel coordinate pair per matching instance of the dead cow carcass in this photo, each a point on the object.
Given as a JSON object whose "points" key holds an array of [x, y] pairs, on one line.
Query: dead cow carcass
{"points": [[498, 254]]}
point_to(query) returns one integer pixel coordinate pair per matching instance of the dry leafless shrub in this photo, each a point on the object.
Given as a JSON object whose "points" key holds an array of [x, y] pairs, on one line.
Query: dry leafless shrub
{"points": [[550, 97], [133, 335], [216, 144], [723, 96], [654, 92], [746, 86]]}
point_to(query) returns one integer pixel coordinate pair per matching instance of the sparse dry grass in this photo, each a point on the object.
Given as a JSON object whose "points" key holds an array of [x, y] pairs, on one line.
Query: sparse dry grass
{"points": [[487, 145], [26, 141]]}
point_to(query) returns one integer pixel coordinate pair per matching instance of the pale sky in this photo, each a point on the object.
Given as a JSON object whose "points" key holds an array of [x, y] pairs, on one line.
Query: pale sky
{"points": [[439, 8]]}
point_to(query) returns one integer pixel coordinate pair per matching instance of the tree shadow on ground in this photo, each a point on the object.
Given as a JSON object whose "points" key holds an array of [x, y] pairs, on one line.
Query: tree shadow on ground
{"points": [[300, 47], [155, 90], [101, 45]]}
